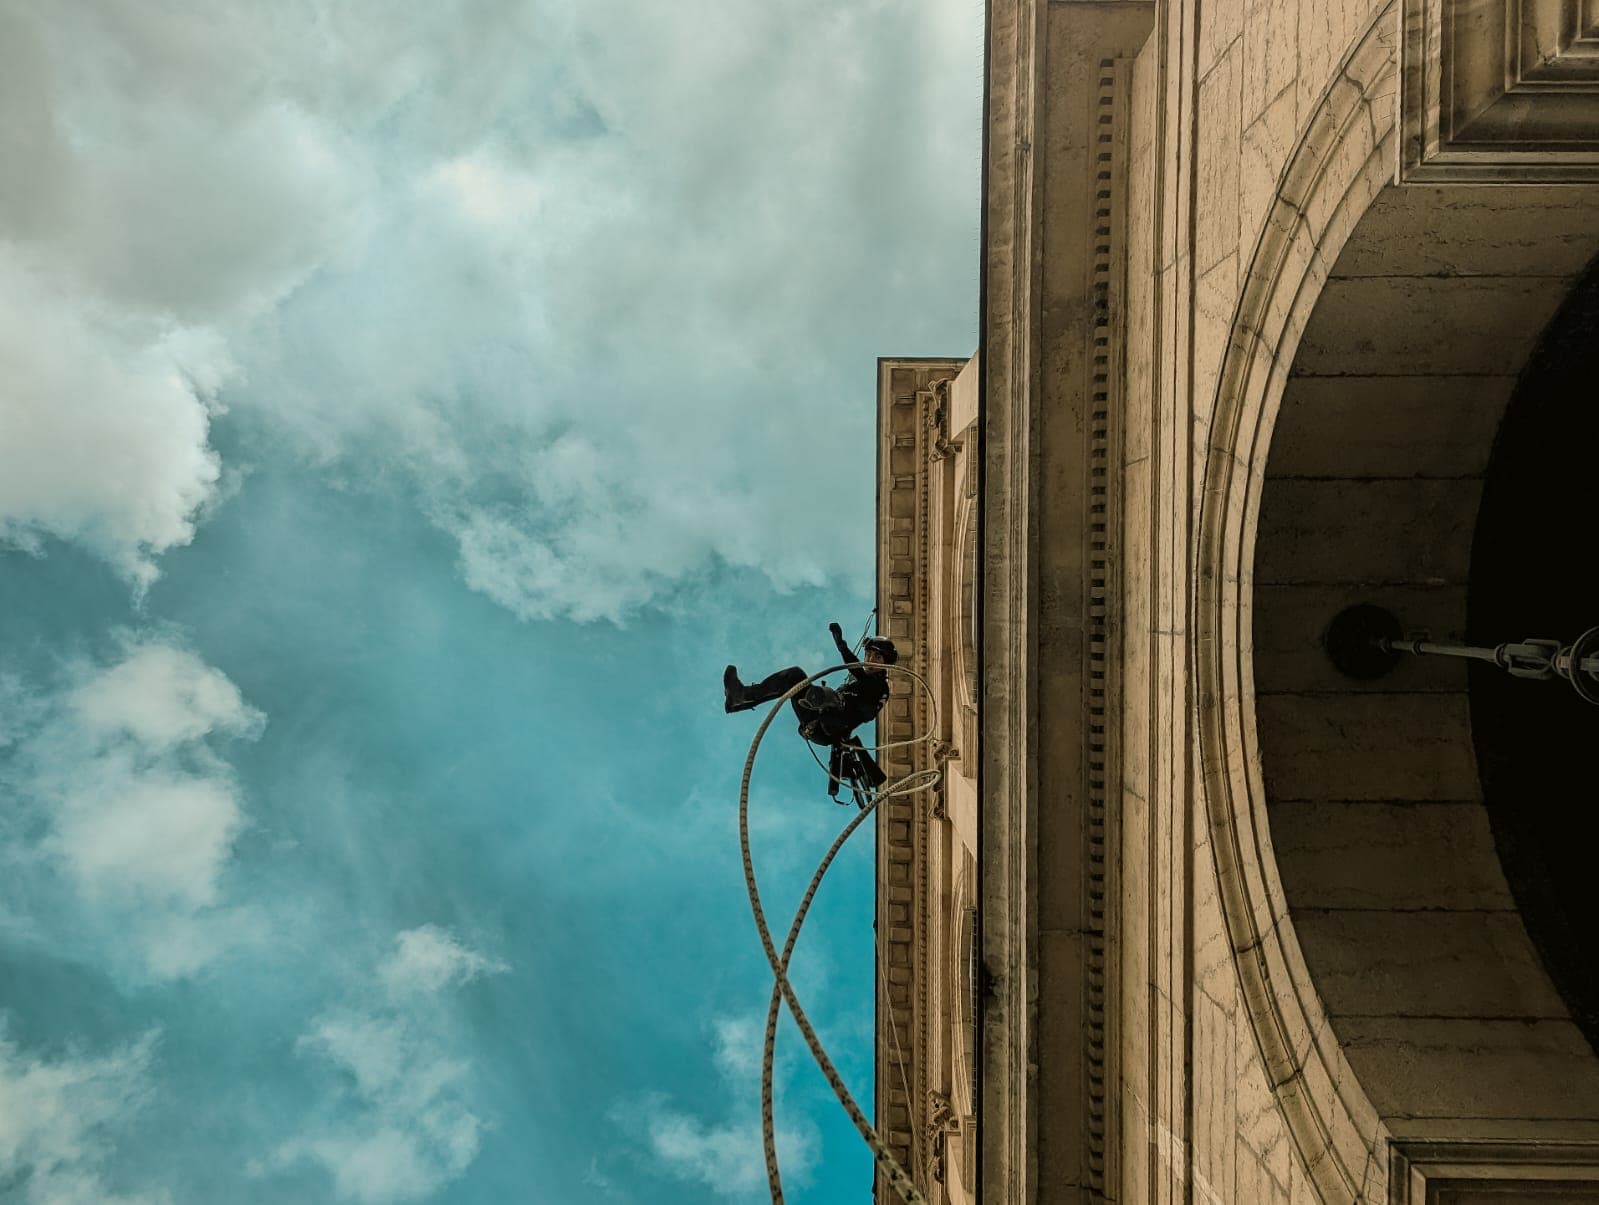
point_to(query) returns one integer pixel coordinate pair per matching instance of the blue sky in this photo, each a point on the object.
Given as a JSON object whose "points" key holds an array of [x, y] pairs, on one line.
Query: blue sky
{"points": [[407, 409]]}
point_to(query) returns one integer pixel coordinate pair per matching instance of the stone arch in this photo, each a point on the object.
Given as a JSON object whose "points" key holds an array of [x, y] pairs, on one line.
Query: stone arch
{"points": [[1389, 860], [1342, 162], [1256, 656]]}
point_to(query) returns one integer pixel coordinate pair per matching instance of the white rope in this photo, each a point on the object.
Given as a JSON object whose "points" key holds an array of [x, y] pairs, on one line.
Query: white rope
{"points": [[769, 1048], [768, 1053], [871, 618], [896, 1175]]}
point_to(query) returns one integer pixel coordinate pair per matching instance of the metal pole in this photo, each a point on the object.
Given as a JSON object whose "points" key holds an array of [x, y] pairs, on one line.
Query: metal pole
{"points": [[1577, 662]]}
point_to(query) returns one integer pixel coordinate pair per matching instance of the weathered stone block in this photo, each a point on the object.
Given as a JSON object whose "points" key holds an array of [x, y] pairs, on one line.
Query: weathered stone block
{"points": [[1411, 238], [1424, 326], [1337, 854], [1381, 531], [1367, 747], [1387, 426], [1427, 963], [1469, 1068]]}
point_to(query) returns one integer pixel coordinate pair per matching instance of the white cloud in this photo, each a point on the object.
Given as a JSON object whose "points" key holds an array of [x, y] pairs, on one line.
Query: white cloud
{"points": [[150, 192], [160, 696], [726, 1155], [402, 1121], [487, 190], [384, 1165], [404, 1126], [524, 258], [58, 1119], [427, 959], [151, 835], [177, 944], [133, 819], [737, 1046], [647, 352], [103, 430], [726, 1158], [139, 813], [149, 161]]}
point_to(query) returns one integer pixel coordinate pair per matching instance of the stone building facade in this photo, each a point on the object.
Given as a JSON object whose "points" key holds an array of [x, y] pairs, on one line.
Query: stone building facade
{"points": [[1286, 307], [927, 844]]}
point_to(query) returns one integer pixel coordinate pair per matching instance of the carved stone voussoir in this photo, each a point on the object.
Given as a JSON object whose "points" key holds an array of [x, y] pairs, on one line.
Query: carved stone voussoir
{"points": [[1500, 91]]}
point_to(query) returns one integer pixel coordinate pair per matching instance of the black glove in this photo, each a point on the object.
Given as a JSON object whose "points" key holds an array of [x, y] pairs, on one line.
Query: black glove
{"points": [[844, 649]]}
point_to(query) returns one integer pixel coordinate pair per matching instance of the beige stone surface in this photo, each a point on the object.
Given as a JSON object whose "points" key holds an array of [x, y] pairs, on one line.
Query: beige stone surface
{"points": [[1216, 169], [1388, 426], [1270, 52], [1215, 298], [1420, 325], [926, 843], [1244, 919], [1430, 962], [1408, 239], [1291, 619], [1492, 1069], [1408, 856], [1374, 531], [1268, 138], [1367, 747]]}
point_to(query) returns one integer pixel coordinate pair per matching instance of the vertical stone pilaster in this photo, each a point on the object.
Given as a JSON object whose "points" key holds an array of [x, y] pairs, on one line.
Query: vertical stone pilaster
{"points": [[1055, 335], [915, 451]]}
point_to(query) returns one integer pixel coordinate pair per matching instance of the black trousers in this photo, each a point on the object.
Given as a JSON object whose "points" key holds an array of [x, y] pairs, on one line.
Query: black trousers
{"points": [[774, 686], [850, 764], [809, 705]]}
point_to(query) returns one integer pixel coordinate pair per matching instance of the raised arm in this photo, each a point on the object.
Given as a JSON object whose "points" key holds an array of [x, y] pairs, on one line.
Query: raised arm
{"points": [[844, 650]]}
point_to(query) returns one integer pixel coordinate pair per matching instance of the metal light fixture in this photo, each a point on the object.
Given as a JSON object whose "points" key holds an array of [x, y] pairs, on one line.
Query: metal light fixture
{"points": [[1366, 641]]}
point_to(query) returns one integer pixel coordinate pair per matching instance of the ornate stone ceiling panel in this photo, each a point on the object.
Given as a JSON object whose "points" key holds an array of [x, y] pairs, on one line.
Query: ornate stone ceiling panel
{"points": [[1499, 91]]}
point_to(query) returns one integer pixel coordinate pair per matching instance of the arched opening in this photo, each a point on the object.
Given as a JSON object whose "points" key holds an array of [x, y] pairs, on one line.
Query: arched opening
{"points": [[1412, 1036], [1384, 839]]}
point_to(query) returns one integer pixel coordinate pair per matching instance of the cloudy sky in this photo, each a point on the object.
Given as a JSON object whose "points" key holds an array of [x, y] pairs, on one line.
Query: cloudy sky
{"points": [[406, 408]]}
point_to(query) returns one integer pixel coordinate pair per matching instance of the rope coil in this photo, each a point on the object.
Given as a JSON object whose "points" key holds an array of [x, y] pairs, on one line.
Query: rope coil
{"points": [[782, 990]]}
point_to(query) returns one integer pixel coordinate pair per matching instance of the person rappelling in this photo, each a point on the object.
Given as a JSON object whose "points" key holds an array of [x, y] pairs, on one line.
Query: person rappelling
{"points": [[829, 717]]}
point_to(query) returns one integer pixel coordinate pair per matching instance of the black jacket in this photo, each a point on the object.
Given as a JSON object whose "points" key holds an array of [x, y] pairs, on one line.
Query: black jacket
{"points": [[865, 692], [829, 716]]}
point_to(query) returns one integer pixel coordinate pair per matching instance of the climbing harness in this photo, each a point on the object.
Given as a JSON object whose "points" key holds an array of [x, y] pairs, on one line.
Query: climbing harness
{"points": [[782, 990], [861, 792]]}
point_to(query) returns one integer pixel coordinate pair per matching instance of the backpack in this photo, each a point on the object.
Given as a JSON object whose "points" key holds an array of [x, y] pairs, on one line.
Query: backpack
{"points": [[821, 715]]}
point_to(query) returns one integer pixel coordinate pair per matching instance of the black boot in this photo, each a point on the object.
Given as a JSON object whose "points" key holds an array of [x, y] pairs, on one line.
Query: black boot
{"points": [[733, 692]]}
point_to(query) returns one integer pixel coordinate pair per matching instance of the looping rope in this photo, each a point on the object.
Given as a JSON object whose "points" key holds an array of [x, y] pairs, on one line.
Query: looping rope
{"points": [[782, 990]]}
